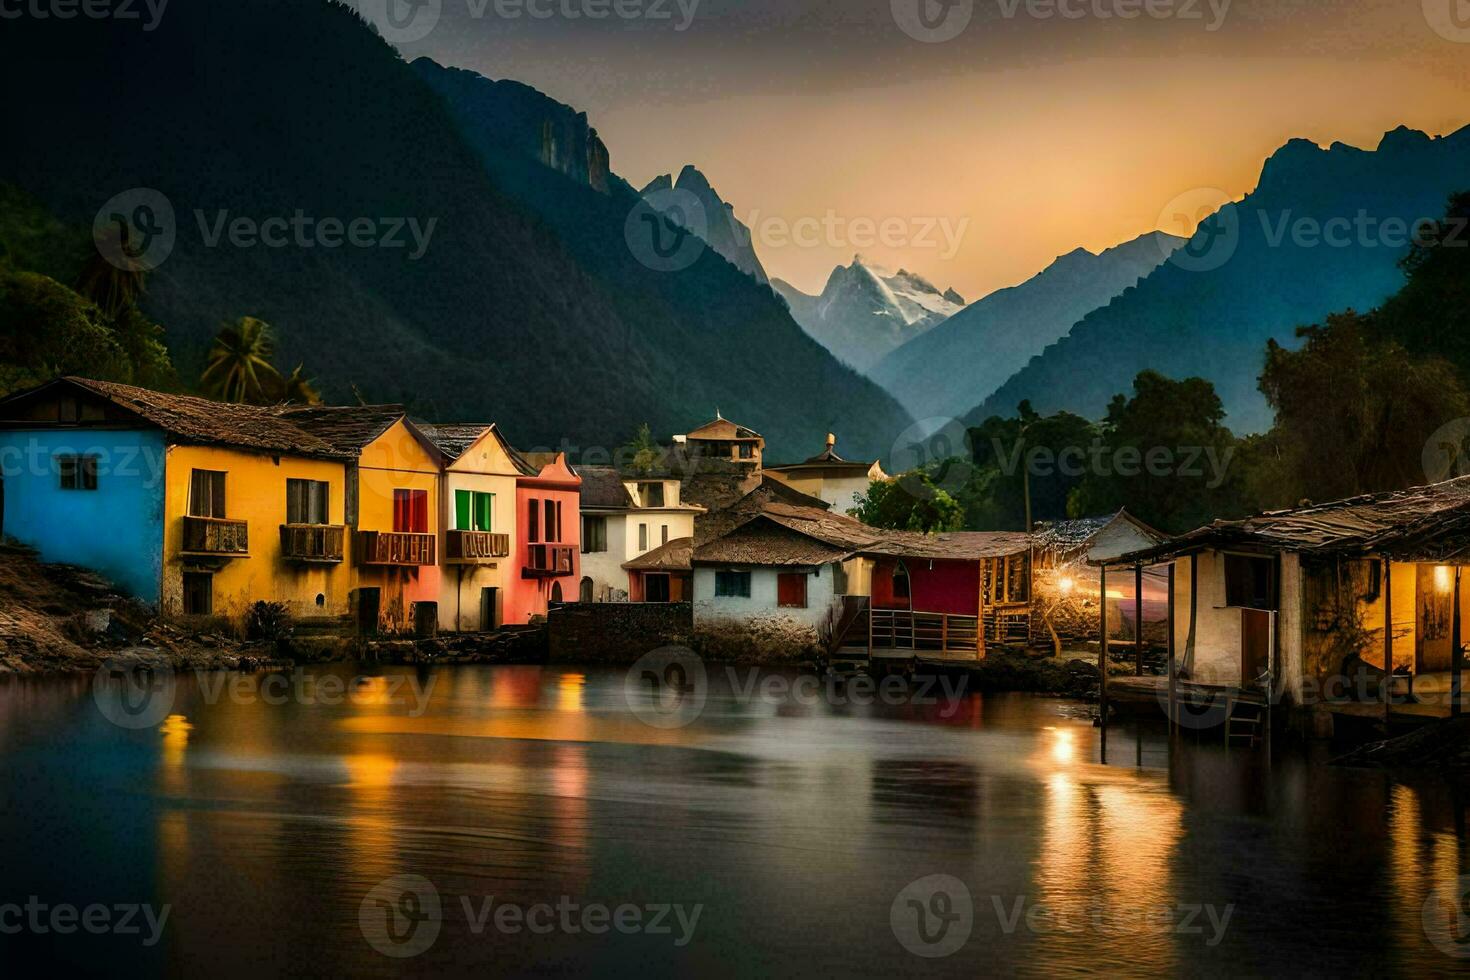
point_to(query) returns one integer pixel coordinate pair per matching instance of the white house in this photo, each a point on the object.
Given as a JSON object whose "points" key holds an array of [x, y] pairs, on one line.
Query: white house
{"points": [[827, 476], [623, 518]]}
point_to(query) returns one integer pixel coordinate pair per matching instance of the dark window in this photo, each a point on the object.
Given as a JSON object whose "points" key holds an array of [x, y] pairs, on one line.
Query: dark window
{"points": [[207, 493], [411, 511], [307, 501], [553, 525], [653, 494], [791, 590], [655, 588], [732, 584], [642, 537], [900, 583], [664, 535], [747, 451], [594, 535], [1250, 582], [839, 579], [533, 521], [198, 594], [77, 472]]}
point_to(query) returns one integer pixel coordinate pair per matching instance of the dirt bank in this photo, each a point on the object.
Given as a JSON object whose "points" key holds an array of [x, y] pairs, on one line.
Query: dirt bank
{"points": [[1442, 746]]}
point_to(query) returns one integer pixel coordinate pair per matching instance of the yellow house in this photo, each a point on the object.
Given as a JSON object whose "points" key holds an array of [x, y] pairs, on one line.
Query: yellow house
{"points": [[478, 516], [827, 476], [392, 510]]}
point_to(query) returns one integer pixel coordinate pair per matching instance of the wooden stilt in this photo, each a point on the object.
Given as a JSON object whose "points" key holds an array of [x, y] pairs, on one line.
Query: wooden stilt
{"points": [[1457, 652], [1387, 642], [1138, 620], [1173, 714], [1102, 645]]}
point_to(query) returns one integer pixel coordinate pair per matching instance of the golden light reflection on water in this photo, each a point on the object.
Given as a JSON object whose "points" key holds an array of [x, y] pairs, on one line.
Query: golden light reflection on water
{"points": [[560, 726], [571, 692]]}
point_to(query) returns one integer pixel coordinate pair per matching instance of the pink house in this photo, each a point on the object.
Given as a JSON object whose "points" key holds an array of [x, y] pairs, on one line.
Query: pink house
{"points": [[547, 558]]}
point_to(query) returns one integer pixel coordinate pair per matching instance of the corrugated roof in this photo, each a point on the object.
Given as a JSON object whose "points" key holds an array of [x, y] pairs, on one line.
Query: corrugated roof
{"points": [[676, 556], [200, 420]]}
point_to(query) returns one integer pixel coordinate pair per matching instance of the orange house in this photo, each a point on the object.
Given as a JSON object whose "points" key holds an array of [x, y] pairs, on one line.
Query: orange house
{"points": [[548, 536]]}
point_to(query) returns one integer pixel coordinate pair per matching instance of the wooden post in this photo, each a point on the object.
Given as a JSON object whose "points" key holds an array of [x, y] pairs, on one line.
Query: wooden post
{"points": [[1102, 644], [980, 611], [1138, 620], [1173, 714], [1193, 605], [1457, 653], [1387, 642]]}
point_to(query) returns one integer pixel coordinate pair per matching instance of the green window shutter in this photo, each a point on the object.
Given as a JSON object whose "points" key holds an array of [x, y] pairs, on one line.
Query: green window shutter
{"points": [[484, 503], [462, 510]]}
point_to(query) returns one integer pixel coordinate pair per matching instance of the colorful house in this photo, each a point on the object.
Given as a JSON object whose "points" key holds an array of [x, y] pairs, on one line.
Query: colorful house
{"points": [[829, 477], [479, 521], [393, 512], [548, 530], [623, 518], [193, 506]]}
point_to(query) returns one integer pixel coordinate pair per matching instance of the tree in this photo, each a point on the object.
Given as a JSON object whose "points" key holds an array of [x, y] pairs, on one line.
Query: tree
{"points": [[641, 451], [1430, 314], [1028, 453], [46, 330], [911, 502], [239, 364], [1166, 455], [1354, 410], [298, 389]]}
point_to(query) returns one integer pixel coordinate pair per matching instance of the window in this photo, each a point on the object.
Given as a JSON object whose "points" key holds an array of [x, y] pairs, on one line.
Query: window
{"points": [[642, 537], [411, 511], [655, 588], [198, 594], [207, 493], [77, 472], [594, 535], [747, 451], [533, 521], [791, 590], [664, 535], [732, 585], [900, 582], [307, 501], [473, 510], [553, 520], [652, 494], [1250, 582], [839, 579]]}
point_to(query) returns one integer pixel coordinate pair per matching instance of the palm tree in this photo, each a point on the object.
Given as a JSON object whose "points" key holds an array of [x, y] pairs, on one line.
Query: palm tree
{"points": [[239, 368], [298, 389]]}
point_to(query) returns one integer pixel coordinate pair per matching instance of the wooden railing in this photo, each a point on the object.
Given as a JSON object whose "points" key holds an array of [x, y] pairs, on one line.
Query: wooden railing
{"points": [[467, 547], [394, 548], [902, 629], [548, 561], [1008, 623], [216, 536], [312, 542]]}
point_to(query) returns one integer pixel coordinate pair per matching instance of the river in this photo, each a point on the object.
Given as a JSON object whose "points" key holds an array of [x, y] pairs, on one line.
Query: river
{"points": [[505, 821]]}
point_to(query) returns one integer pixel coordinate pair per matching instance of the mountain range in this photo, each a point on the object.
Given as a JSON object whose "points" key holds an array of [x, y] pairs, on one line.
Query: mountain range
{"points": [[718, 226], [1323, 231], [527, 306], [950, 368], [865, 311]]}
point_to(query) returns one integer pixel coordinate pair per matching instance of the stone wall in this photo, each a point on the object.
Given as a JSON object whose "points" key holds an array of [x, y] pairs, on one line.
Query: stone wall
{"points": [[616, 632], [764, 639]]}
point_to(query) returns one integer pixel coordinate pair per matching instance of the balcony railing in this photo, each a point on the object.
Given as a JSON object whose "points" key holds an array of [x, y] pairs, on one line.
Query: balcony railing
{"points": [[312, 542], [394, 548], [469, 547], [216, 536], [548, 561], [900, 629]]}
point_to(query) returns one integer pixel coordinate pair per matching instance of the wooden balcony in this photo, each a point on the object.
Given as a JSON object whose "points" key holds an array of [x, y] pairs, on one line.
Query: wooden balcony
{"points": [[474, 547], [548, 561], [216, 537], [904, 633], [312, 543], [398, 548]]}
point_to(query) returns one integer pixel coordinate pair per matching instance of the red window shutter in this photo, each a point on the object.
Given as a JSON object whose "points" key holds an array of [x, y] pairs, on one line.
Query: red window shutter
{"points": [[791, 590], [401, 516], [421, 511]]}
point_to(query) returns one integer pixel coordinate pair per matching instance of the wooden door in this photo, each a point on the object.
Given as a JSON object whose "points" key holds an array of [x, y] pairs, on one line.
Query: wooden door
{"points": [[1255, 644], [369, 606], [1433, 604], [489, 609]]}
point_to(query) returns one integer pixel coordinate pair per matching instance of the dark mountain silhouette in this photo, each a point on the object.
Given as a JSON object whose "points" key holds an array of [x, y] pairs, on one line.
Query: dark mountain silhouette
{"points": [[527, 306], [726, 233], [944, 372], [1210, 309]]}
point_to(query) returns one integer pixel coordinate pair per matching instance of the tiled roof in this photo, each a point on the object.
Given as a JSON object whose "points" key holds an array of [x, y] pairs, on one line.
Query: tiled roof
{"points": [[453, 439], [602, 489], [200, 420], [672, 557], [766, 542], [345, 427]]}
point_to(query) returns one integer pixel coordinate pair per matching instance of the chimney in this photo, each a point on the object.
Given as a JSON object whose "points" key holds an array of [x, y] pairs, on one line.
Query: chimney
{"points": [[831, 441]]}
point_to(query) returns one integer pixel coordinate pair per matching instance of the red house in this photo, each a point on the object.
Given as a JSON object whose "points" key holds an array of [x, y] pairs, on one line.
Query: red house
{"points": [[548, 536]]}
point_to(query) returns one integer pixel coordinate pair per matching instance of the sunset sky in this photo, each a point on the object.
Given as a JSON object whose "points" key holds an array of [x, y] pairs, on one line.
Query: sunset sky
{"points": [[1042, 133]]}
